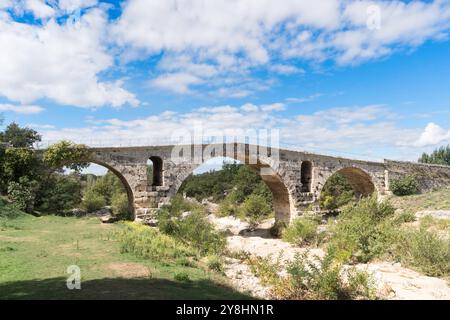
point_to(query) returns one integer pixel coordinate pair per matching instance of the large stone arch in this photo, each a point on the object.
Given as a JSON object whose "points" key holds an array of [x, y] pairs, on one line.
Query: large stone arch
{"points": [[122, 179], [264, 166], [363, 182]]}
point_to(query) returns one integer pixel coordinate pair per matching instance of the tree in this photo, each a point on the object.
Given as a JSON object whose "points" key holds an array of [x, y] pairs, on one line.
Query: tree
{"points": [[19, 162], [65, 153], [19, 137], [438, 156]]}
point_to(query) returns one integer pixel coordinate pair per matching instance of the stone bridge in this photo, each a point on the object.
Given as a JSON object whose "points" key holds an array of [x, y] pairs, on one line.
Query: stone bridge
{"points": [[295, 178]]}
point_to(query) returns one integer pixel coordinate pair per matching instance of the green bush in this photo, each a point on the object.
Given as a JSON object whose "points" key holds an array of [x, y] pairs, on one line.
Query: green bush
{"points": [[255, 208], [178, 205], [120, 206], [404, 186], [59, 193], [8, 211], [23, 194], [145, 242], [424, 251], [336, 193], [93, 201], [193, 230], [364, 230], [323, 279], [301, 231], [266, 269], [181, 276], [229, 206], [215, 263]]}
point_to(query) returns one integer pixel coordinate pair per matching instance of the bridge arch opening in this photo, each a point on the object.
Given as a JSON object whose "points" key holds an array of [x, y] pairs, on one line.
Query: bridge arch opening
{"points": [[109, 184], [154, 171], [345, 185], [306, 176], [249, 182]]}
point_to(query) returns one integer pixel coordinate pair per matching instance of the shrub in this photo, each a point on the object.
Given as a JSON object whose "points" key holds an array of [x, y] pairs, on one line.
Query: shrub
{"points": [[424, 251], [194, 230], [254, 209], [215, 263], [178, 205], [23, 194], [185, 262], [336, 192], [181, 276], [363, 231], [93, 201], [404, 186], [325, 279], [145, 242], [120, 206], [9, 211], [229, 206], [301, 231], [266, 269], [404, 217], [59, 193]]}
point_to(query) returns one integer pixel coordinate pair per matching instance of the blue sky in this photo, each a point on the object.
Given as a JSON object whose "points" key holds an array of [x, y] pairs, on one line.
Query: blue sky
{"points": [[362, 79]]}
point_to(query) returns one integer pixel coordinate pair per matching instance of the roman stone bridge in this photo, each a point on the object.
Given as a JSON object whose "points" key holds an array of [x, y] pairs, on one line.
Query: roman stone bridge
{"points": [[295, 178]]}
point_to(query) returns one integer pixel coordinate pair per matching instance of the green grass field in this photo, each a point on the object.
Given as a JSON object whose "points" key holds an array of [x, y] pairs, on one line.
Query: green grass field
{"points": [[35, 253]]}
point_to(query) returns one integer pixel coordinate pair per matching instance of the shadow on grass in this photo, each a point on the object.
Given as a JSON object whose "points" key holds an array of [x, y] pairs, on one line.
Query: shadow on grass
{"points": [[118, 289]]}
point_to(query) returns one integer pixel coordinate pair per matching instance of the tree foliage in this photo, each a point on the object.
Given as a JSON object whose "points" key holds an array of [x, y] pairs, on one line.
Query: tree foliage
{"points": [[19, 137], [68, 154], [405, 186], [336, 192], [438, 156], [234, 180]]}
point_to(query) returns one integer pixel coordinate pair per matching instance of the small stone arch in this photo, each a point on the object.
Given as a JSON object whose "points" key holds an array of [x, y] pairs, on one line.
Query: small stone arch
{"points": [[157, 178], [360, 180], [306, 176]]}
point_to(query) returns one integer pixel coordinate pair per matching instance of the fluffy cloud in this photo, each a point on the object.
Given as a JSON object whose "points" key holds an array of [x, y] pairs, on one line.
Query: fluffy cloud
{"points": [[72, 5], [370, 131], [39, 8], [60, 62], [235, 36], [25, 109], [432, 135]]}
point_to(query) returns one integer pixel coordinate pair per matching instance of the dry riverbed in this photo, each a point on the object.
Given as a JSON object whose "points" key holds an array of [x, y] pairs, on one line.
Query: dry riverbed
{"points": [[393, 281]]}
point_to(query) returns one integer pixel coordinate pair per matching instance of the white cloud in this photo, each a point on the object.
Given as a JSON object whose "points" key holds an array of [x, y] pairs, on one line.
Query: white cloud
{"points": [[40, 126], [72, 5], [286, 69], [5, 4], [60, 62], [24, 109], [305, 99], [433, 135], [273, 107], [236, 36], [249, 107], [39, 8], [177, 82], [369, 132]]}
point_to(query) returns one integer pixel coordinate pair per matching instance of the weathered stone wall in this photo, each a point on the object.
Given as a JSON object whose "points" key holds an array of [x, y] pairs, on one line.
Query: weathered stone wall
{"points": [[428, 176]]}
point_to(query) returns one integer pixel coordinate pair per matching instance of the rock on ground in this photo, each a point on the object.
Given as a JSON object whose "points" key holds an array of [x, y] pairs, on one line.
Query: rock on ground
{"points": [[397, 283]]}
